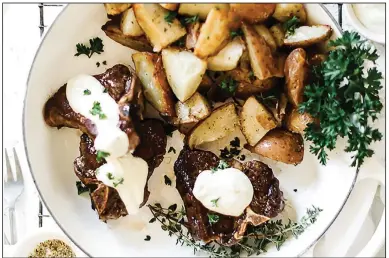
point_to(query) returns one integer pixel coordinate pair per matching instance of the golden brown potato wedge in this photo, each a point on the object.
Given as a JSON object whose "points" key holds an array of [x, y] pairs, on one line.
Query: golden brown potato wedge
{"points": [[255, 120], [267, 36], [202, 10], [213, 33], [278, 34], [113, 31], [227, 58], [193, 110], [170, 6], [297, 122], [296, 73], [149, 69], [129, 25], [284, 12], [184, 71], [221, 122], [192, 36], [306, 36], [280, 63], [262, 61], [280, 145], [253, 13], [115, 9], [160, 31]]}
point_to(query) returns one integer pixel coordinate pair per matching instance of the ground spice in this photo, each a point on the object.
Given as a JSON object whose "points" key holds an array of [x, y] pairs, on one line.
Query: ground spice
{"points": [[52, 248]]}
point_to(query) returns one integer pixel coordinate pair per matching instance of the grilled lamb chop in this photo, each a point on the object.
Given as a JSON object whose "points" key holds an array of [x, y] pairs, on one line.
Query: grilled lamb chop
{"points": [[106, 199], [267, 201], [122, 85]]}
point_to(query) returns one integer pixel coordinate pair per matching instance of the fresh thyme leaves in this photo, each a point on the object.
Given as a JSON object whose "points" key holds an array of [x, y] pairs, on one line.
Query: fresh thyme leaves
{"points": [[87, 92], [291, 25], [147, 238], [81, 188], [345, 98], [236, 33], [222, 165], [170, 16], [119, 182], [98, 64], [255, 241], [233, 151], [189, 20], [105, 90], [104, 62], [229, 85], [109, 175], [214, 202], [101, 155], [96, 46], [171, 149], [96, 110], [173, 207], [213, 218], [235, 142], [167, 180]]}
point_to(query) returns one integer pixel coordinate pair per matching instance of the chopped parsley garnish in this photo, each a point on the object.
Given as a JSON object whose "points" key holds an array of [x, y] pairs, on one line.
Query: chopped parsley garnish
{"points": [[213, 218], [104, 62], [101, 155], [147, 238], [87, 92], [167, 180], [229, 85], [98, 64], [291, 25], [171, 149], [233, 151], [214, 202], [170, 16], [190, 20], [110, 177], [236, 33], [235, 142], [81, 188], [96, 110], [105, 90], [119, 182], [222, 165], [96, 46]]}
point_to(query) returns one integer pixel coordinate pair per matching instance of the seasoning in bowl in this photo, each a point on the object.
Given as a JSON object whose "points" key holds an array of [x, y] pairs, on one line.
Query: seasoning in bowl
{"points": [[52, 248]]}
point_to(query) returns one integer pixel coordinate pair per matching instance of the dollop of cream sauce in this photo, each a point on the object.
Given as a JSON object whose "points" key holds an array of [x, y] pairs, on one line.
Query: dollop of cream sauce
{"points": [[228, 191], [124, 172], [372, 16]]}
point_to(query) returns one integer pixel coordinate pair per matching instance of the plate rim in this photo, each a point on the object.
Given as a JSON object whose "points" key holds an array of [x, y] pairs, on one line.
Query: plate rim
{"points": [[42, 197]]}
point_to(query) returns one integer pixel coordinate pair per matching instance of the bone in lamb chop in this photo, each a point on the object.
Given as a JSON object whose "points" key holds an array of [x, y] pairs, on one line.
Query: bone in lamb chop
{"points": [[267, 201]]}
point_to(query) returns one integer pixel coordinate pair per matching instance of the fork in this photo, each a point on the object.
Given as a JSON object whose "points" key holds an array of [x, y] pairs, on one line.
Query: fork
{"points": [[13, 188]]}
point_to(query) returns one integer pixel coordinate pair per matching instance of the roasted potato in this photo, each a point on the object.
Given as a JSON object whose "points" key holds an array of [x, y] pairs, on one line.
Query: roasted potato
{"points": [[160, 32], [306, 36], [253, 13], [115, 9], [267, 36], [129, 25], [112, 30], [193, 32], [213, 33], [297, 122], [148, 68], [170, 6], [278, 34], [284, 12], [193, 110], [279, 110], [221, 122], [280, 145], [184, 72], [255, 120], [202, 10], [280, 63], [227, 58], [296, 73], [205, 84], [186, 128], [261, 59]]}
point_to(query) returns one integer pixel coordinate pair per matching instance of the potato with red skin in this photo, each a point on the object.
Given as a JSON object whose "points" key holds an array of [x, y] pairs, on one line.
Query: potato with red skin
{"points": [[253, 13], [280, 145], [297, 122], [296, 73]]}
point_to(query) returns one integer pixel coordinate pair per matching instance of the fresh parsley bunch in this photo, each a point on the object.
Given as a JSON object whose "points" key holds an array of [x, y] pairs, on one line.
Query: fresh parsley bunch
{"points": [[345, 98]]}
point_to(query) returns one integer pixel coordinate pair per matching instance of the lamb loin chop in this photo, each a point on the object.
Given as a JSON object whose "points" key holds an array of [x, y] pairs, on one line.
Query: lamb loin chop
{"points": [[267, 201]]}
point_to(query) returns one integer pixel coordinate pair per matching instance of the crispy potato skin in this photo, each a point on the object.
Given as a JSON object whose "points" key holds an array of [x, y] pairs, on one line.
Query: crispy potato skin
{"points": [[296, 72], [112, 30], [170, 6], [115, 9], [267, 36], [311, 41], [284, 12], [253, 13], [193, 110], [296, 122], [281, 145]]}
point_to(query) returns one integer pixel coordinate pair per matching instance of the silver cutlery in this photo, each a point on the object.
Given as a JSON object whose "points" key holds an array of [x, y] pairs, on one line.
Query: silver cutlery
{"points": [[13, 187]]}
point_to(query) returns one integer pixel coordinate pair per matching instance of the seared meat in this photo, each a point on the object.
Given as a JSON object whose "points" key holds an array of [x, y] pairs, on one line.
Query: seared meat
{"points": [[267, 201], [106, 199], [121, 84]]}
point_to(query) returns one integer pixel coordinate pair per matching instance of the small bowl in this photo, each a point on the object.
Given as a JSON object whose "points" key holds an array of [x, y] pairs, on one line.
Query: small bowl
{"points": [[27, 245], [374, 36]]}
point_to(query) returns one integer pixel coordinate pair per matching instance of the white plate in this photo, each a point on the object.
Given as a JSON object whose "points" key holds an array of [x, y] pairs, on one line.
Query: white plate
{"points": [[51, 154]]}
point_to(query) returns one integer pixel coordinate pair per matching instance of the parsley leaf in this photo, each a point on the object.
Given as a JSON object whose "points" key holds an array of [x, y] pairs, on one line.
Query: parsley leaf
{"points": [[229, 85], [190, 20], [236, 33], [101, 155], [170, 16], [81, 188], [344, 97], [87, 92], [96, 46], [213, 218], [222, 165], [96, 110], [119, 182], [214, 202], [291, 25]]}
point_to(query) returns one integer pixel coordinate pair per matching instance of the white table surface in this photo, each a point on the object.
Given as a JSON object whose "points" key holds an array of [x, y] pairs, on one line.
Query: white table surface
{"points": [[23, 26]]}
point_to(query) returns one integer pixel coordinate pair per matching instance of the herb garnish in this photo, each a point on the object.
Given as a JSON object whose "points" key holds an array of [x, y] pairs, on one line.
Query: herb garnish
{"points": [[110, 177], [235, 142], [87, 92], [236, 33], [291, 25], [171, 149], [233, 151], [147, 238], [167, 180], [121, 180], [170, 16], [229, 85], [81, 188], [344, 98], [96, 110], [189, 20], [214, 202], [254, 242], [98, 64], [101, 155], [96, 46], [222, 165], [213, 218], [105, 90], [104, 62]]}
